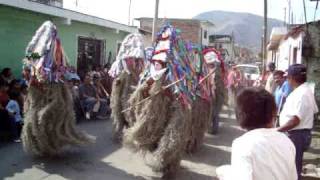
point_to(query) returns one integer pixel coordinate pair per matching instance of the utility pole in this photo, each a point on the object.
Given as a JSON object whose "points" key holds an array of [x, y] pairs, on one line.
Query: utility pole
{"points": [[265, 30], [129, 15], [154, 26], [305, 12], [289, 11], [285, 17]]}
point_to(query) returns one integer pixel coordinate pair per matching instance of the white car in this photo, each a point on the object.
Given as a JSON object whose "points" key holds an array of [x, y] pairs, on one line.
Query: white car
{"points": [[250, 72]]}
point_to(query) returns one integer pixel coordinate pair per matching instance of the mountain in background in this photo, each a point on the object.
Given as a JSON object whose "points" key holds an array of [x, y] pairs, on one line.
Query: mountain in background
{"points": [[246, 27]]}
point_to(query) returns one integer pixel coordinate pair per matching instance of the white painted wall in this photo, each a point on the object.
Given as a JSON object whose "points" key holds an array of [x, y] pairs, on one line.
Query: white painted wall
{"points": [[206, 27], [285, 52]]}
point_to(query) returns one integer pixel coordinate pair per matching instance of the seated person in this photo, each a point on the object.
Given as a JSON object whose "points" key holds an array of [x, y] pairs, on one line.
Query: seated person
{"points": [[91, 100], [262, 153], [100, 89]]}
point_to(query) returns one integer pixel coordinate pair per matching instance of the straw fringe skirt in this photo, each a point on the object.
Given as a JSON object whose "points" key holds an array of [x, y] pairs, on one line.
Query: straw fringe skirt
{"points": [[49, 123], [122, 88], [159, 130]]}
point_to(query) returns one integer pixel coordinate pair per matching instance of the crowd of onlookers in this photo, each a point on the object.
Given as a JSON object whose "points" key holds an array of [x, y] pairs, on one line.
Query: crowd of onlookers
{"points": [[90, 94], [278, 115], [12, 95]]}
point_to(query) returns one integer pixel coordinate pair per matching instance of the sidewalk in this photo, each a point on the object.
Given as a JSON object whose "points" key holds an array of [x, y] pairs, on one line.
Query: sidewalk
{"points": [[312, 157]]}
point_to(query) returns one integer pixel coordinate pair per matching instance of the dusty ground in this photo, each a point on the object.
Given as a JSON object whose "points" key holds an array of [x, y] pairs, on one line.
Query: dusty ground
{"points": [[107, 161]]}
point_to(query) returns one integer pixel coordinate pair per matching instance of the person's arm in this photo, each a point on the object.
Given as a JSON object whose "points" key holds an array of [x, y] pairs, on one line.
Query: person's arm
{"points": [[103, 90], [293, 122]]}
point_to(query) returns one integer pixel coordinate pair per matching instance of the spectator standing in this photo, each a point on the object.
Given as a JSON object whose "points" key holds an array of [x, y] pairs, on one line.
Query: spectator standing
{"points": [[262, 153], [233, 85], [283, 89], [13, 108], [297, 115], [270, 84]]}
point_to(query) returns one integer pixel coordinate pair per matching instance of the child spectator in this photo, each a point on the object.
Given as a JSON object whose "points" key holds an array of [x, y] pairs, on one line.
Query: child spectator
{"points": [[14, 111]]}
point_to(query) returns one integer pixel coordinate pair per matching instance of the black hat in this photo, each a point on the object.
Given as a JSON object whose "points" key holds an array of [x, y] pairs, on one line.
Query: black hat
{"points": [[297, 70]]}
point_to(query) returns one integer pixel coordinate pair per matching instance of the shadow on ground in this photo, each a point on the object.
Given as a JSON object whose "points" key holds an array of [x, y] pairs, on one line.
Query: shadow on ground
{"points": [[77, 163]]}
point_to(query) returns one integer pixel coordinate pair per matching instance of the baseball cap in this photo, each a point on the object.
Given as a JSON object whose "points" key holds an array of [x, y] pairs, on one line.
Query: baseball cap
{"points": [[297, 70]]}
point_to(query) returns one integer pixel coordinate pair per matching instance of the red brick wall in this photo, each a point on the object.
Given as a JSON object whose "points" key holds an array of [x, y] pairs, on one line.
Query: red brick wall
{"points": [[190, 29]]}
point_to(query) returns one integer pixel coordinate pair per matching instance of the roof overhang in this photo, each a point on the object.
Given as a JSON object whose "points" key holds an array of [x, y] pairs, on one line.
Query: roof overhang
{"points": [[278, 33], [67, 15]]}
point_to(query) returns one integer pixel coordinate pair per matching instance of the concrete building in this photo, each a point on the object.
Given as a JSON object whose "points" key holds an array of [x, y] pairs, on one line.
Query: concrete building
{"points": [[87, 40], [196, 31], [299, 44], [225, 44]]}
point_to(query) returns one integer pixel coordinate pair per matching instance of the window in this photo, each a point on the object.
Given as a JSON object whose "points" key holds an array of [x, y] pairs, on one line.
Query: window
{"points": [[205, 34]]}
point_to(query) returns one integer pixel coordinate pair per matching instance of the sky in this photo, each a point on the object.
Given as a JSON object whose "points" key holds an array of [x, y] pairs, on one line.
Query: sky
{"points": [[118, 10]]}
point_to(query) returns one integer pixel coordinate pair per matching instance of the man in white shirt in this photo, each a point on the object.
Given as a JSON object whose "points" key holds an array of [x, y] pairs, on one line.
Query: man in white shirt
{"points": [[297, 115], [262, 153]]}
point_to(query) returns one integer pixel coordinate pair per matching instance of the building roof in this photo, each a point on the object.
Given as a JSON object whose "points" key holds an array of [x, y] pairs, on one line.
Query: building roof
{"points": [[177, 19], [224, 37], [67, 14]]}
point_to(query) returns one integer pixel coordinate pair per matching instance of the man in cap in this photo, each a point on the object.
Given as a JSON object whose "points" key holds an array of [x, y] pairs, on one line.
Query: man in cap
{"points": [[297, 115]]}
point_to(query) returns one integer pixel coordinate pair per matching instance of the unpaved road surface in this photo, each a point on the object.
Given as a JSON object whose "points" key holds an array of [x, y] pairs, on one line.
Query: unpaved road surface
{"points": [[107, 161]]}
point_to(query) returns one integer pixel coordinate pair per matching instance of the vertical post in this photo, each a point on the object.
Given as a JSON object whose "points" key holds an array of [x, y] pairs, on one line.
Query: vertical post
{"points": [[289, 11], [129, 15], [305, 12], [285, 17], [265, 30], [154, 26]]}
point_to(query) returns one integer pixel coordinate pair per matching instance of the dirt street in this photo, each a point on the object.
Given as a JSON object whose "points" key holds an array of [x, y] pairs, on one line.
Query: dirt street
{"points": [[107, 161]]}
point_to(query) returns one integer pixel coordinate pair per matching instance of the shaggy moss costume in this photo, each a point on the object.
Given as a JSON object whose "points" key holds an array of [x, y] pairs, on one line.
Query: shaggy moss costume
{"points": [[49, 123], [160, 128], [126, 78]]}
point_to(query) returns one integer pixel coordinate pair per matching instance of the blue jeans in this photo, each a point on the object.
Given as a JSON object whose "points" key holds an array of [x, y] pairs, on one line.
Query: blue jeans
{"points": [[301, 139], [15, 128], [90, 102]]}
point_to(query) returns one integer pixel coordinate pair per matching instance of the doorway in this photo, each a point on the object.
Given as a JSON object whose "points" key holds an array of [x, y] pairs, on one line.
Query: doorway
{"points": [[90, 54]]}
